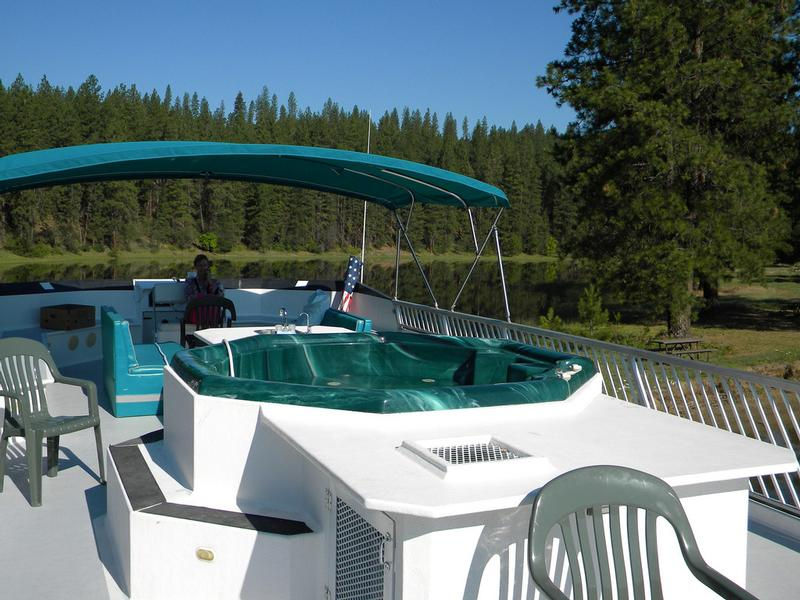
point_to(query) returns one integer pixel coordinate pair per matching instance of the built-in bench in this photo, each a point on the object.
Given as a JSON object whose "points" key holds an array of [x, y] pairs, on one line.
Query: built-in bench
{"points": [[133, 374]]}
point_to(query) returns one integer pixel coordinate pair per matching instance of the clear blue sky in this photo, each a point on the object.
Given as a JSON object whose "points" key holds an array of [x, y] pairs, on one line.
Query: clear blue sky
{"points": [[471, 58]]}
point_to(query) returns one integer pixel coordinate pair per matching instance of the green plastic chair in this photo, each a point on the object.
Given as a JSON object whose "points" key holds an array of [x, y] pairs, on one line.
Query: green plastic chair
{"points": [[578, 499], [26, 411]]}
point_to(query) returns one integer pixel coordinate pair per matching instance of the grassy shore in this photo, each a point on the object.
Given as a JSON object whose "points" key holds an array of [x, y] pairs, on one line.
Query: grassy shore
{"points": [[753, 326], [767, 351], [756, 326], [383, 256]]}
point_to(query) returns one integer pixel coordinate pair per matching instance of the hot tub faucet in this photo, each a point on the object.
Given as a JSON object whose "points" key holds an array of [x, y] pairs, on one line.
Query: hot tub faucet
{"points": [[284, 318], [308, 321]]}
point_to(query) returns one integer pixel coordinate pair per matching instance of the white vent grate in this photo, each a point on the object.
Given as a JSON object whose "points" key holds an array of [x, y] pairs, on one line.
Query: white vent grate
{"points": [[359, 551], [473, 453]]}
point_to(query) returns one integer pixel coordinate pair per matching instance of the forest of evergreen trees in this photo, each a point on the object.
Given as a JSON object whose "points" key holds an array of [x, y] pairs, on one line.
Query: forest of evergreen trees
{"points": [[225, 215]]}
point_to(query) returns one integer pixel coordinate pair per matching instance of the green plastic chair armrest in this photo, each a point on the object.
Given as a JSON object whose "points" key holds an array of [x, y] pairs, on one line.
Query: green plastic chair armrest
{"points": [[718, 582], [9, 394], [72, 381], [8, 403], [89, 388]]}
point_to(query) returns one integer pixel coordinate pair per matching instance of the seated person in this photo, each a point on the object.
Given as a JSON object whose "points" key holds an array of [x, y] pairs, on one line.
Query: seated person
{"points": [[201, 284]]}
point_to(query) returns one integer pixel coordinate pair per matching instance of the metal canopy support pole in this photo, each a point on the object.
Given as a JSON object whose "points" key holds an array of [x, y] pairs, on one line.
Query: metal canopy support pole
{"points": [[397, 265], [363, 241], [397, 255], [477, 258], [410, 212], [472, 228], [502, 273], [416, 259], [443, 191]]}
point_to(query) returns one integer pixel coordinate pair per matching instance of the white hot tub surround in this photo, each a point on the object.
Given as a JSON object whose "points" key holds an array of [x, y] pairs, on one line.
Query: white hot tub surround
{"points": [[218, 334], [390, 512]]}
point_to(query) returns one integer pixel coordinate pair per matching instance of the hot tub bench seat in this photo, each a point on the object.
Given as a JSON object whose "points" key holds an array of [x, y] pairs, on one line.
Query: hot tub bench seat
{"points": [[133, 373], [338, 318], [390, 373]]}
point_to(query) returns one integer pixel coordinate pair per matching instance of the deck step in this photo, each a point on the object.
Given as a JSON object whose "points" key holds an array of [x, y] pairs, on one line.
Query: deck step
{"points": [[144, 494], [173, 550]]}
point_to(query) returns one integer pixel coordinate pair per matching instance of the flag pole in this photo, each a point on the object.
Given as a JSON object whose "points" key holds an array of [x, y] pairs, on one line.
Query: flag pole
{"points": [[364, 224]]}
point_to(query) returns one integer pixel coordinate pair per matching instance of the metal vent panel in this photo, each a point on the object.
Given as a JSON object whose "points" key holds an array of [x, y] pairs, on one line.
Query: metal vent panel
{"points": [[462, 454], [359, 556]]}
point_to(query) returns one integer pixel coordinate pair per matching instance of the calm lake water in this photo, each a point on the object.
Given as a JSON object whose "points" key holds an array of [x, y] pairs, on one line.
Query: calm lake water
{"points": [[532, 287]]}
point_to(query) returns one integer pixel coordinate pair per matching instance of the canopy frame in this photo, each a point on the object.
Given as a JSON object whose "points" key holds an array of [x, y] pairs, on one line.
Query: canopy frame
{"points": [[402, 231]]}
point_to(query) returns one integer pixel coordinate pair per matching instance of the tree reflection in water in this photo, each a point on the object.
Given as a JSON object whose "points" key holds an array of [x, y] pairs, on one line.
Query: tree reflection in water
{"points": [[532, 287]]}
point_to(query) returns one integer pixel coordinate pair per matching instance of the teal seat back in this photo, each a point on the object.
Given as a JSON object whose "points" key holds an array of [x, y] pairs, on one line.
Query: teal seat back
{"points": [[337, 318], [316, 307], [119, 355]]}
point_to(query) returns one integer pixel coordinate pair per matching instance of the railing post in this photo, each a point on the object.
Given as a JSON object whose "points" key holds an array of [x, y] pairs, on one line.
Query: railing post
{"points": [[444, 323], [644, 398], [398, 314]]}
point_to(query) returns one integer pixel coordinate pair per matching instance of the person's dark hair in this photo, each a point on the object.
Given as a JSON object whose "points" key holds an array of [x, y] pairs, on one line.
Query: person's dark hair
{"points": [[200, 257]]}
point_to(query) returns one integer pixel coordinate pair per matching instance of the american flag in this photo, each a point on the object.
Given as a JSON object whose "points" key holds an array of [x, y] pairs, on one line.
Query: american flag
{"points": [[352, 277]]}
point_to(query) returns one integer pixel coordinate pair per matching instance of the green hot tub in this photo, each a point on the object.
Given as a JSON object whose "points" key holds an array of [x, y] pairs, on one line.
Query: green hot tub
{"points": [[395, 372]]}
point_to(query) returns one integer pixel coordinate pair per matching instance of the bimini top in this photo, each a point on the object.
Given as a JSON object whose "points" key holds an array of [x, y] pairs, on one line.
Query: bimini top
{"points": [[390, 182]]}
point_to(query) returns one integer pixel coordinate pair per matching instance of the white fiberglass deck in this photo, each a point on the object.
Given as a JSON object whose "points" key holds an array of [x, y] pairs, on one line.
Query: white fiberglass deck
{"points": [[217, 335], [61, 549]]}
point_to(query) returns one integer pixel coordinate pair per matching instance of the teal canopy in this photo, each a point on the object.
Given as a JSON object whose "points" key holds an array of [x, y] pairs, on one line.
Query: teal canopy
{"points": [[390, 182]]}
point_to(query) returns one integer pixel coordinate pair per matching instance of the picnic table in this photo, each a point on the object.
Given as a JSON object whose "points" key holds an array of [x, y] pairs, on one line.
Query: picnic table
{"points": [[689, 347]]}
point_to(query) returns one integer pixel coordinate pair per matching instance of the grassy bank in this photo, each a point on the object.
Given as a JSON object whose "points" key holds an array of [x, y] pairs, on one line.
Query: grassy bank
{"points": [[753, 325], [756, 326], [377, 256], [765, 351]]}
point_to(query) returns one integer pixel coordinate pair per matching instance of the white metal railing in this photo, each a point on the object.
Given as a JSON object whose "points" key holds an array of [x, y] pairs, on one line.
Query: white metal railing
{"points": [[759, 407]]}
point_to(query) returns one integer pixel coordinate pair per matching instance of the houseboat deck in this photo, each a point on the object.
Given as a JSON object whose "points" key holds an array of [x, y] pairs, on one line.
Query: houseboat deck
{"points": [[64, 548], [67, 539]]}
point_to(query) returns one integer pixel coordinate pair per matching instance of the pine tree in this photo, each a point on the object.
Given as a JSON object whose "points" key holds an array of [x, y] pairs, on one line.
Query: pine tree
{"points": [[237, 120], [679, 108], [256, 228], [264, 118]]}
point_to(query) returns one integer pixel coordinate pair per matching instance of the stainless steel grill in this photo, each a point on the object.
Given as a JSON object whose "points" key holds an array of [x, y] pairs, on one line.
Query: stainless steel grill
{"points": [[472, 453], [359, 556]]}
